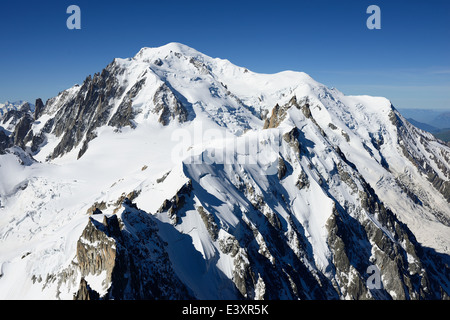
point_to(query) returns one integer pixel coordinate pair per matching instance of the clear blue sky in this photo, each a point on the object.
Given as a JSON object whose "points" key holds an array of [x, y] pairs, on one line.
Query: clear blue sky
{"points": [[408, 60]]}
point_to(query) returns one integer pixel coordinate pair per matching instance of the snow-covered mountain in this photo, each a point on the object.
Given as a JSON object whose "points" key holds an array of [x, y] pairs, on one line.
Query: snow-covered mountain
{"points": [[174, 175], [16, 105]]}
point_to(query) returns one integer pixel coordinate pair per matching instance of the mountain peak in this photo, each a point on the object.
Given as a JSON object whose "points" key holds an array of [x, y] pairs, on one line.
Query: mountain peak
{"points": [[165, 50]]}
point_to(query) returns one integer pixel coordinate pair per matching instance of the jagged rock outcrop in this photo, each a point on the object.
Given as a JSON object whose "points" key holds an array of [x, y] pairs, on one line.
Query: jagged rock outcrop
{"points": [[125, 113], [279, 113], [21, 130], [85, 292], [38, 108], [282, 169], [13, 116], [327, 202], [173, 205], [209, 222], [276, 117], [408, 136], [168, 107], [78, 118], [101, 100], [128, 256]]}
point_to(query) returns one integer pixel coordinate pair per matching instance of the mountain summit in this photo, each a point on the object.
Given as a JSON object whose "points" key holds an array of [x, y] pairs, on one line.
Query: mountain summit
{"points": [[174, 175]]}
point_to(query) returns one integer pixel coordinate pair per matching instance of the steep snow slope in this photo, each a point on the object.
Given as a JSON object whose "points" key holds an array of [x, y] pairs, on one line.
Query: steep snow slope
{"points": [[231, 184]]}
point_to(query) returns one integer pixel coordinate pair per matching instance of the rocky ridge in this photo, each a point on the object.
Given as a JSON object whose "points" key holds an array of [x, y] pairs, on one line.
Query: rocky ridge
{"points": [[333, 190]]}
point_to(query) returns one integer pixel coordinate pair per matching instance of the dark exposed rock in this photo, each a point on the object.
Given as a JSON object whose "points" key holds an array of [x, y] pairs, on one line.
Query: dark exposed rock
{"points": [[281, 168], [332, 126], [407, 140], [278, 115], [306, 109], [177, 202], [346, 177], [203, 68], [125, 199], [266, 246], [5, 141], [38, 109], [168, 106], [243, 275], [303, 181], [160, 180], [25, 108], [409, 192], [37, 141], [15, 115], [124, 115], [85, 292], [21, 130], [209, 222], [345, 135], [96, 251], [377, 140], [386, 244], [96, 208], [158, 62], [134, 263], [229, 245], [439, 184], [82, 114], [291, 138]]}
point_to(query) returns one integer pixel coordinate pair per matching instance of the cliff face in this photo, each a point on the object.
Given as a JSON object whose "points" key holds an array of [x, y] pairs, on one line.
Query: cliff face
{"points": [[173, 175], [126, 257], [97, 252], [102, 99]]}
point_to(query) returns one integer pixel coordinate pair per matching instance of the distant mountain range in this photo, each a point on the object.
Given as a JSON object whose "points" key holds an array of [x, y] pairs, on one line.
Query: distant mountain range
{"points": [[434, 121], [439, 119]]}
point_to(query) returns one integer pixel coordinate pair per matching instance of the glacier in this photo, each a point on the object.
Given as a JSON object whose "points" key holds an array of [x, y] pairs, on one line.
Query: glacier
{"points": [[174, 175]]}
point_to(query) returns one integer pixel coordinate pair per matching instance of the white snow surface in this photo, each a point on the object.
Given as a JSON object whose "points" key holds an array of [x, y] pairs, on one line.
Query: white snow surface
{"points": [[43, 205]]}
